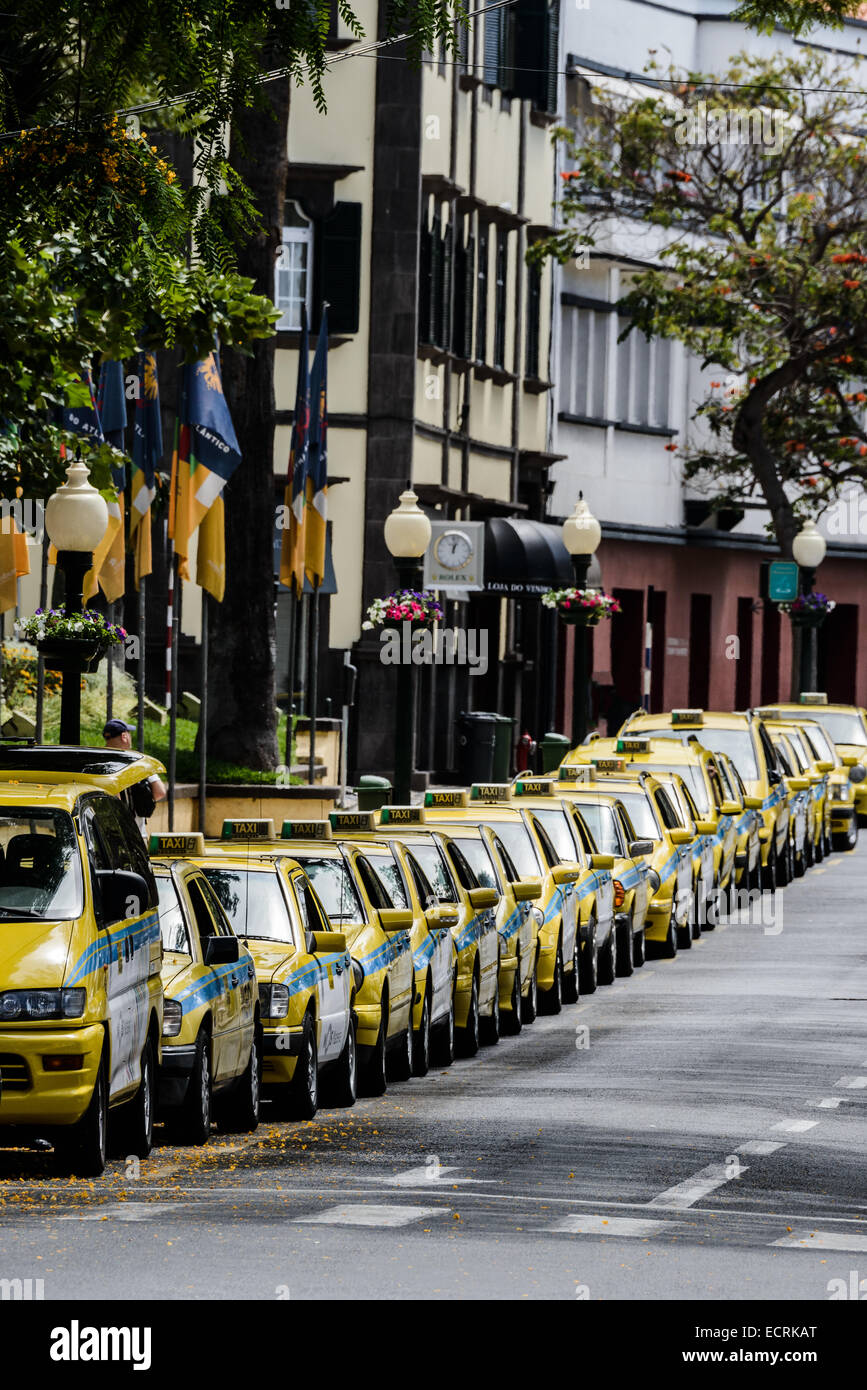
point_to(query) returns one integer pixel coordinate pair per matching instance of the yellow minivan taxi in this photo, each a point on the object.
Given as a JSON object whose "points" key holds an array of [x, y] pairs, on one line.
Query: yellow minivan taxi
{"points": [[81, 1002]]}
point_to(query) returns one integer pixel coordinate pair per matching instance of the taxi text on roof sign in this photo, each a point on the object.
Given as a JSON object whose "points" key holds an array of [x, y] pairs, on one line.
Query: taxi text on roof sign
{"points": [[575, 772], [306, 830], [633, 745], [402, 815], [192, 843], [767, 712], [813, 697], [609, 764], [491, 791], [534, 786], [687, 716], [457, 797], [248, 830], [352, 820]]}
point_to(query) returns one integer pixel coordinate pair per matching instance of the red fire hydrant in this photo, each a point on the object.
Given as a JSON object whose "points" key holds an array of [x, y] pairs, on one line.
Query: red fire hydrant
{"points": [[526, 750]]}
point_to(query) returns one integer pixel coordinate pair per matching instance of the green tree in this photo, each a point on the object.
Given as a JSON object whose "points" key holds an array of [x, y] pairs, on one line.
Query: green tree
{"points": [[799, 16]]}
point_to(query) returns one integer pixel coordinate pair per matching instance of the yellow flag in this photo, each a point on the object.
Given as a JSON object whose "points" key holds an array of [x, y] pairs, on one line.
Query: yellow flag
{"points": [[14, 561], [100, 555], [143, 552], [180, 500], [211, 561]]}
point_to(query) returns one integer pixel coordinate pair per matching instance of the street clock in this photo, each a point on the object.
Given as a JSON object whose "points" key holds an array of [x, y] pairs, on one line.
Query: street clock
{"points": [[455, 556]]}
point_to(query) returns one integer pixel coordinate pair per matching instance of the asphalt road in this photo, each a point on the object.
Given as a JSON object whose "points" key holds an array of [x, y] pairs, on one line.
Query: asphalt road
{"points": [[698, 1131]]}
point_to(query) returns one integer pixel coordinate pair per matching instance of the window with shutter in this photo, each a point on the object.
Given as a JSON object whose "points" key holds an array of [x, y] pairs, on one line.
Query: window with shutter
{"points": [[339, 278], [292, 271], [425, 275], [534, 302], [491, 52], [459, 303], [536, 25], [502, 266], [482, 291]]}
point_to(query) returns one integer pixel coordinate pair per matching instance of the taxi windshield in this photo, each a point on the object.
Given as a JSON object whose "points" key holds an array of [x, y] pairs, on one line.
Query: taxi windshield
{"points": [[253, 902], [519, 842], [693, 779], [173, 928], [736, 743], [555, 820], [641, 814], [841, 726], [822, 747], [435, 872], [334, 886], [476, 854], [40, 866], [388, 873], [599, 820]]}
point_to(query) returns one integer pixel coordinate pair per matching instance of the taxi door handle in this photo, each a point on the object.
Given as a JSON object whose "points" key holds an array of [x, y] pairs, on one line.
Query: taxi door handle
{"points": [[234, 982]]}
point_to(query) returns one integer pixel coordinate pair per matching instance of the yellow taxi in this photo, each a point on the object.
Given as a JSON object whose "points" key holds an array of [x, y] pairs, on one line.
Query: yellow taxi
{"points": [[81, 1001], [433, 948], [747, 742], [748, 849], [211, 1053], [802, 806], [532, 852], [845, 728], [705, 892], [653, 816], [607, 829], [375, 931], [475, 936], [306, 979]]}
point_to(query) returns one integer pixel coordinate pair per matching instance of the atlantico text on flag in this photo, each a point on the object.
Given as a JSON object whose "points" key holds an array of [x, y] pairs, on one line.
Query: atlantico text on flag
{"points": [[206, 453], [295, 495], [317, 476]]}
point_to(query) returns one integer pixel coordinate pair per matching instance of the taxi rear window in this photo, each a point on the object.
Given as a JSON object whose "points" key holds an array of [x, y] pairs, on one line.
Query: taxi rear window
{"points": [[388, 873], [40, 865], [253, 901], [173, 928], [477, 856], [599, 820], [519, 842], [334, 886], [641, 814]]}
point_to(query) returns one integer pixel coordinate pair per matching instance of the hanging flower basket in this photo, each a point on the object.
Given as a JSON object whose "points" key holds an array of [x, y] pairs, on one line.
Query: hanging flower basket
{"points": [[586, 607], [415, 606], [70, 638], [808, 610]]}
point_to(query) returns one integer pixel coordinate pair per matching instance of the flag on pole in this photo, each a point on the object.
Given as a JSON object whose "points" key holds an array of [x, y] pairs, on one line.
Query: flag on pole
{"points": [[109, 557], [14, 561], [211, 554], [317, 475], [206, 453], [147, 448], [294, 497]]}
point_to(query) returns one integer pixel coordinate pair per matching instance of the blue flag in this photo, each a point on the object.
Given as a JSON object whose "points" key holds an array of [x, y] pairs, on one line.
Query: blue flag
{"points": [[111, 405]]}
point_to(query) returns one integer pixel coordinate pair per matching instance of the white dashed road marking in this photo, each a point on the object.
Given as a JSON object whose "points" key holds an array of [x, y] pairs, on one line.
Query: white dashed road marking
{"points": [[829, 1102], [684, 1194], [125, 1211], [796, 1126], [822, 1240], [853, 1083], [578, 1225], [759, 1146], [357, 1214], [417, 1177]]}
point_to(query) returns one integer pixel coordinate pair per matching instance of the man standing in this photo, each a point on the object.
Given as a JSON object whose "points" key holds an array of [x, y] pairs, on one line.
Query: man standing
{"points": [[143, 796]]}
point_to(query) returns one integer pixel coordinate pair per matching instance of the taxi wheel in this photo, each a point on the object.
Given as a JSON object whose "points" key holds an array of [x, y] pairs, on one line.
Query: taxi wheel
{"points": [[784, 867], [668, 948], [768, 874], [344, 1086], [819, 849], [468, 1036], [83, 1149], [490, 1026], [626, 961], [530, 1002], [374, 1081], [572, 981], [639, 949], [304, 1086], [608, 959], [588, 972], [136, 1118], [402, 1058], [799, 863], [551, 999], [698, 912], [513, 1021], [192, 1124], [846, 840], [809, 852], [443, 1038], [240, 1114], [421, 1054]]}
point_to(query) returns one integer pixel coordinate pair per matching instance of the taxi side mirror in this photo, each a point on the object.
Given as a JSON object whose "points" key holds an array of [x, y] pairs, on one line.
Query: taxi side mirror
{"points": [[326, 941], [680, 837], [222, 950], [705, 827], [526, 890], [395, 918], [753, 803], [640, 847], [799, 784], [602, 861], [483, 897], [774, 777], [443, 915], [825, 765], [848, 759], [566, 873], [730, 808], [123, 894], [857, 773]]}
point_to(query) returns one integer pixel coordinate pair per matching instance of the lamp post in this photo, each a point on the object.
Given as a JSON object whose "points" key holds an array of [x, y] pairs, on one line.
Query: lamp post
{"points": [[581, 536], [407, 536], [808, 549], [75, 520]]}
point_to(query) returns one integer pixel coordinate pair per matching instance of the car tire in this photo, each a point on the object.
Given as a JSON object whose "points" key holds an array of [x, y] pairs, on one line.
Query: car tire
{"points": [[608, 959], [819, 849], [343, 1087], [468, 1036], [135, 1119], [588, 972], [844, 841], [668, 948], [191, 1123], [551, 999], [422, 1052], [304, 1086], [639, 948], [768, 873], [513, 1021], [684, 933], [698, 912], [401, 1059], [443, 1037], [490, 1025], [239, 1113], [83, 1148], [784, 867], [625, 952], [572, 980], [530, 1001]]}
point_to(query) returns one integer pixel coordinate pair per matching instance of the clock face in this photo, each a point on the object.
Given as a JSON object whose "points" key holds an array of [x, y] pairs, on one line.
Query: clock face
{"points": [[453, 550]]}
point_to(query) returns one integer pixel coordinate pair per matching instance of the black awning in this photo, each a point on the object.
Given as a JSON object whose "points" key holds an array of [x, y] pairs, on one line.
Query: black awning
{"points": [[523, 558]]}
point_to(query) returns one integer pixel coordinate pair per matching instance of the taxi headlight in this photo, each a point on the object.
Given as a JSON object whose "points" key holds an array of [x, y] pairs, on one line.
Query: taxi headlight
{"points": [[357, 973], [173, 1016], [36, 1004], [273, 1001]]}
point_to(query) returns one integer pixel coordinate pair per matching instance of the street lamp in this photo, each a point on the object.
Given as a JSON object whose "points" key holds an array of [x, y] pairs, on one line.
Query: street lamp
{"points": [[581, 536], [75, 520], [407, 536], [808, 549]]}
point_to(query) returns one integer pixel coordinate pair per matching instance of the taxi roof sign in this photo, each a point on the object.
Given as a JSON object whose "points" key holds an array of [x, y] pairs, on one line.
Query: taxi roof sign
{"points": [[181, 842], [813, 697], [446, 798], [633, 744], [306, 830], [768, 712], [576, 772], [491, 791], [352, 820], [533, 786], [609, 764], [247, 830], [402, 815], [687, 716]]}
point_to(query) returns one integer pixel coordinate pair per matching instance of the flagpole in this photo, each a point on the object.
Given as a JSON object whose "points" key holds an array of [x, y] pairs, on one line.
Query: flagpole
{"points": [[109, 672], [203, 716], [40, 664], [171, 686], [142, 651], [290, 684], [314, 678]]}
